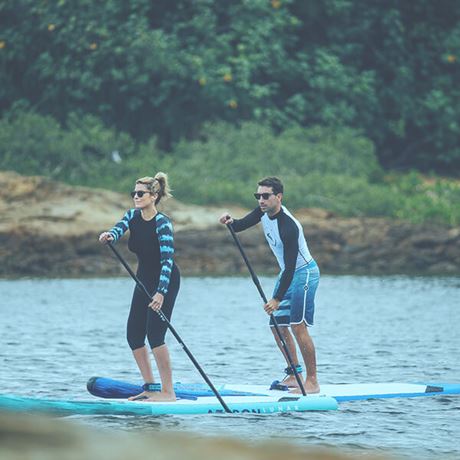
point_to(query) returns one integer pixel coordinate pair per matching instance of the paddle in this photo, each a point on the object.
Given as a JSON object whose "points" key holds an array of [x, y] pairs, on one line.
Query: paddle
{"points": [[171, 328], [264, 298]]}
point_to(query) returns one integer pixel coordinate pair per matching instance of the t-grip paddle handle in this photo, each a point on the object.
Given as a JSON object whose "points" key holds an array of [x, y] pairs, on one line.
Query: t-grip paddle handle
{"points": [[272, 316]]}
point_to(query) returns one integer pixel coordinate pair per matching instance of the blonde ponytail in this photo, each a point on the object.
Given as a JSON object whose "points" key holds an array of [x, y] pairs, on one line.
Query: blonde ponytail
{"points": [[158, 184]]}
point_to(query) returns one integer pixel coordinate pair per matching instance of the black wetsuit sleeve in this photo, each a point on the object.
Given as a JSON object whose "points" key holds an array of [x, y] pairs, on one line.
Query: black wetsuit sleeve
{"points": [[247, 221], [289, 233]]}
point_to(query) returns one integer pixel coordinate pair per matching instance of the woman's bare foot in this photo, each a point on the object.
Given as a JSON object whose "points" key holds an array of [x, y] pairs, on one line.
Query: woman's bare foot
{"points": [[161, 396], [140, 396]]}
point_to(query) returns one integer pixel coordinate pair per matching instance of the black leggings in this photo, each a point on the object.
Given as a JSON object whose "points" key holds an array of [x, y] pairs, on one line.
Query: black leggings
{"points": [[143, 321]]}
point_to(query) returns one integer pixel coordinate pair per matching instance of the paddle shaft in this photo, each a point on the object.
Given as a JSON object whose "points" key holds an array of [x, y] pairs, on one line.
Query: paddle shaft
{"points": [[171, 328], [272, 316]]}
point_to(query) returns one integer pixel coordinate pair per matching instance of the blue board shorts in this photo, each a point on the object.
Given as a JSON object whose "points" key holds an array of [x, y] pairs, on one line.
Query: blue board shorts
{"points": [[298, 304]]}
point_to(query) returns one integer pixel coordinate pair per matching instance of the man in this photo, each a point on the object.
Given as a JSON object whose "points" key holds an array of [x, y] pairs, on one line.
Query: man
{"points": [[293, 301]]}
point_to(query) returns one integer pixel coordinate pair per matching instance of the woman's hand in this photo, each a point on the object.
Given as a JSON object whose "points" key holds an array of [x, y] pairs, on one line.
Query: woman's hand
{"points": [[105, 237], [157, 302]]}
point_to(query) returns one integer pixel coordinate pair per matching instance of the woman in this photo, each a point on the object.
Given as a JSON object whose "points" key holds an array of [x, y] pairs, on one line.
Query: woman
{"points": [[151, 239]]}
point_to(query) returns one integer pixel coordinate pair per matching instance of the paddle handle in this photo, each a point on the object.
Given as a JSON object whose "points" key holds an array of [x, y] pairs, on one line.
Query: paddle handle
{"points": [[272, 316], [171, 328]]}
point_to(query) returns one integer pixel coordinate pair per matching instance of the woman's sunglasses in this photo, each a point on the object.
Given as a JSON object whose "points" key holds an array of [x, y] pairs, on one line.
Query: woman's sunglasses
{"points": [[265, 196], [139, 193]]}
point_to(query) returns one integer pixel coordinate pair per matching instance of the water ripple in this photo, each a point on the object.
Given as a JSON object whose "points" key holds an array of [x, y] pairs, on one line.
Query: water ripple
{"points": [[368, 329]]}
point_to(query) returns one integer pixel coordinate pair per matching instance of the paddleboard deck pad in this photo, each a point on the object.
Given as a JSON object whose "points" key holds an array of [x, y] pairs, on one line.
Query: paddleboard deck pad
{"points": [[109, 388]]}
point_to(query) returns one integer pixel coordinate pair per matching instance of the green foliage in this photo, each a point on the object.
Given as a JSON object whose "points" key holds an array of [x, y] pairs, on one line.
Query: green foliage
{"points": [[84, 153], [334, 169], [164, 69], [426, 200], [244, 155]]}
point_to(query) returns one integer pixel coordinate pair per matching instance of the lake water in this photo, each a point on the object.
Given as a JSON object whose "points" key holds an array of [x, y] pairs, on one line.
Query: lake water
{"points": [[55, 334]]}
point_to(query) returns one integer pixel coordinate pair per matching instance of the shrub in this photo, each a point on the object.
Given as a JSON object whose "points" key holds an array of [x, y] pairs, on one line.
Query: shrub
{"points": [[334, 169]]}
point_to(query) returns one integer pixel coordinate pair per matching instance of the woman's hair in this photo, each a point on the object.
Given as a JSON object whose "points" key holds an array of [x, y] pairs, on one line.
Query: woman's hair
{"points": [[158, 184]]}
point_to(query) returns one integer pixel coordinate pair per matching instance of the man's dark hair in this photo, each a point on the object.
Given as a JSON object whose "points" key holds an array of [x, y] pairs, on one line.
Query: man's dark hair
{"points": [[273, 182]]}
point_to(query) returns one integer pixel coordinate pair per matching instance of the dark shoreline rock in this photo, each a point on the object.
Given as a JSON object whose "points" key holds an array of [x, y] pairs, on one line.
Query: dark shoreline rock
{"points": [[50, 230]]}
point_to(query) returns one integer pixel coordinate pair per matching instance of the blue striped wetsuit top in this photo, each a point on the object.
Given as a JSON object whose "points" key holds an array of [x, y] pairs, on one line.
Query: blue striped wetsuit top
{"points": [[153, 243]]}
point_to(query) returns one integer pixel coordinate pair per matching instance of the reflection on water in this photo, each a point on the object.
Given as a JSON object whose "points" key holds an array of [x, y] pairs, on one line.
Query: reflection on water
{"points": [[55, 334]]}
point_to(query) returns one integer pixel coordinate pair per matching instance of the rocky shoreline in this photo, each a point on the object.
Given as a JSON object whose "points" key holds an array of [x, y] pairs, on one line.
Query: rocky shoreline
{"points": [[49, 229]]}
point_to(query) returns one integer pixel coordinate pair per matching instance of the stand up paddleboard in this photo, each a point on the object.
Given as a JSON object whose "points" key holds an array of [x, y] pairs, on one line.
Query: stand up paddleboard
{"points": [[199, 399], [109, 388], [198, 405]]}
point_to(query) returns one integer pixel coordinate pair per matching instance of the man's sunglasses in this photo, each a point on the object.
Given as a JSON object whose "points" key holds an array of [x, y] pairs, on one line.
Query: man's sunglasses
{"points": [[265, 196], [139, 193]]}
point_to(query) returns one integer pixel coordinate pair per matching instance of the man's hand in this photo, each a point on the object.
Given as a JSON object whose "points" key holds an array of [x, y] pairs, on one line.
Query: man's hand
{"points": [[271, 306], [226, 218]]}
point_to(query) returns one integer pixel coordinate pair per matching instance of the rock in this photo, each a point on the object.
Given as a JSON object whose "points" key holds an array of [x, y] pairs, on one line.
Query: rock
{"points": [[51, 229], [34, 436]]}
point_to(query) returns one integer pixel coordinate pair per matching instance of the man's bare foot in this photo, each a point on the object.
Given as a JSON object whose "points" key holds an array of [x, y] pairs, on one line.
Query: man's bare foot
{"points": [[161, 396], [309, 387], [290, 381]]}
